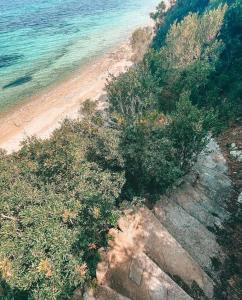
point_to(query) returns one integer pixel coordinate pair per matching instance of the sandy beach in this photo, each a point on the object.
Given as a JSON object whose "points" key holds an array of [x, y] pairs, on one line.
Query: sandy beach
{"points": [[42, 113]]}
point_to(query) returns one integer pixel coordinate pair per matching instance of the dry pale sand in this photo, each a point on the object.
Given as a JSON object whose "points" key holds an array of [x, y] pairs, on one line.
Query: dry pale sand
{"points": [[41, 114]]}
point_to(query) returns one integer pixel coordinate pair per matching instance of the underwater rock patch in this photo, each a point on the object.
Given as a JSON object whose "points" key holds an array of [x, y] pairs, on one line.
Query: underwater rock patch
{"points": [[18, 81]]}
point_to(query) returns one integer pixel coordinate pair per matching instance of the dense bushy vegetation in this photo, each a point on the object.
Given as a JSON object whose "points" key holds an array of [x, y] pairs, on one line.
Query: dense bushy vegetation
{"points": [[60, 196], [57, 203], [158, 149], [212, 32]]}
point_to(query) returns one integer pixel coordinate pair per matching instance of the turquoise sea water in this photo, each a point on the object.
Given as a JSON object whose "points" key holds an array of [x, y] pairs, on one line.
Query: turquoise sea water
{"points": [[42, 40]]}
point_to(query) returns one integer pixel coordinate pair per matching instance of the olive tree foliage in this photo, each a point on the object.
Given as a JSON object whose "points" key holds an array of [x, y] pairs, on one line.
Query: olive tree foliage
{"points": [[57, 204], [191, 52], [184, 63], [189, 56], [223, 90], [178, 10], [194, 38]]}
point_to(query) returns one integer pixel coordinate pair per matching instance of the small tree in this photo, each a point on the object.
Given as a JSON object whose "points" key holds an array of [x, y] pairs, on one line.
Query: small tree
{"points": [[194, 39], [189, 131], [159, 13], [131, 93]]}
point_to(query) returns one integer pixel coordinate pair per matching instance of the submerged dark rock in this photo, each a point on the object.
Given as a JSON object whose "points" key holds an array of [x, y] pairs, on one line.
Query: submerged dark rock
{"points": [[8, 60], [18, 81]]}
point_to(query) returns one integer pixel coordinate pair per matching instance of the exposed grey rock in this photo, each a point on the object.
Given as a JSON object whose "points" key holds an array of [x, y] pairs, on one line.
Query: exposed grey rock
{"points": [[175, 238], [197, 205], [240, 198], [212, 159], [88, 295], [157, 291], [236, 154], [102, 292], [151, 237], [189, 210], [160, 285], [189, 232], [135, 273], [217, 187], [129, 265], [213, 184], [233, 146], [106, 293]]}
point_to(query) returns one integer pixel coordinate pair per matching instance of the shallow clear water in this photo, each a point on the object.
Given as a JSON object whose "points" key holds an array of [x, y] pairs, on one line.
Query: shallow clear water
{"points": [[41, 40]]}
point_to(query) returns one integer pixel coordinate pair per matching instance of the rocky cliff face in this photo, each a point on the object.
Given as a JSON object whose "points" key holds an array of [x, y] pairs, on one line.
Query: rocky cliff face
{"points": [[171, 252]]}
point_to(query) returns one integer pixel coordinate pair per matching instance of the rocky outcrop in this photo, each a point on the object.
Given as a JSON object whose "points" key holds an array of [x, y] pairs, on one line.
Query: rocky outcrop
{"points": [[103, 292], [170, 252], [235, 152]]}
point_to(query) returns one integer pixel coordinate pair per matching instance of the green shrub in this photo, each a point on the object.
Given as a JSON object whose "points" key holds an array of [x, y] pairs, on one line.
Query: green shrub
{"points": [[57, 204], [178, 10], [189, 131], [132, 93], [159, 149]]}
